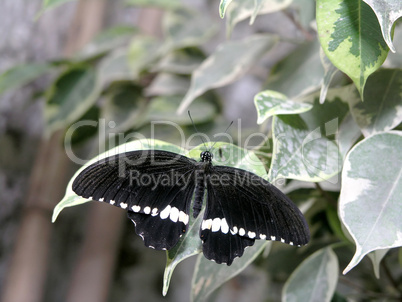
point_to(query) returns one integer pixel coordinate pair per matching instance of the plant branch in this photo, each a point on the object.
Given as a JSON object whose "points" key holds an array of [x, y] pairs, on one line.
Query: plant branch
{"points": [[327, 196], [391, 277], [364, 291]]}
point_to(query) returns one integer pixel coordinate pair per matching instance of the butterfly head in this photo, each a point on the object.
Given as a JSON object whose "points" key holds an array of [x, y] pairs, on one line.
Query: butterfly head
{"points": [[206, 156]]}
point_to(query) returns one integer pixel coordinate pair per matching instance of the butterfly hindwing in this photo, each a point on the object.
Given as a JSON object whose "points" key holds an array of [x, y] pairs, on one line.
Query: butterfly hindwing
{"points": [[242, 207], [218, 242], [155, 187]]}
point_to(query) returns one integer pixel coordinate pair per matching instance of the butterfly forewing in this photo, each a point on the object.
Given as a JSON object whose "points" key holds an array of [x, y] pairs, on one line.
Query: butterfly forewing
{"points": [[241, 207], [155, 187]]}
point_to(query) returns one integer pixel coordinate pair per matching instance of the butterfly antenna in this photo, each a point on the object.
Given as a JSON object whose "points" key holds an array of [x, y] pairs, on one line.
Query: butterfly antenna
{"points": [[224, 132], [195, 128]]}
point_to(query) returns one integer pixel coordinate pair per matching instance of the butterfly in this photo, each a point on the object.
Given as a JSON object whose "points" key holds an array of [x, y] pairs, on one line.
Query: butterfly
{"points": [[160, 188]]}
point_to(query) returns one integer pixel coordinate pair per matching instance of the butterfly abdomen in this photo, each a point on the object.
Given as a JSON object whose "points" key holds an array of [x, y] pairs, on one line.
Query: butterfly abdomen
{"points": [[199, 190]]}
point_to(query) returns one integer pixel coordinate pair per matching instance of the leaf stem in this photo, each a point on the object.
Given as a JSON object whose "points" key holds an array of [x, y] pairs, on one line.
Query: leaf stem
{"points": [[391, 277], [307, 35], [327, 196], [364, 291]]}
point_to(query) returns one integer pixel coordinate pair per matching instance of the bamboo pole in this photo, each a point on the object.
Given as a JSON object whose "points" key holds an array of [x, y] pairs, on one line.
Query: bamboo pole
{"points": [[93, 273], [27, 273]]}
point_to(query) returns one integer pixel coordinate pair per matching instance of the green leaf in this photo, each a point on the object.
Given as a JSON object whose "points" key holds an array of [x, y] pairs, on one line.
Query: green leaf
{"points": [[48, 4], [242, 9], [208, 276], [106, 41], [301, 153], [223, 6], [21, 75], [181, 61], [230, 61], [188, 245], [314, 280], [351, 38], [163, 4], [269, 103], [185, 28], [394, 60], [71, 95], [168, 84], [334, 222], [298, 74], [370, 202], [376, 257], [329, 71], [202, 111], [115, 67], [71, 199], [124, 107], [303, 144], [382, 106], [142, 54], [349, 132], [52, 3], [387, 13], [83, 131]]}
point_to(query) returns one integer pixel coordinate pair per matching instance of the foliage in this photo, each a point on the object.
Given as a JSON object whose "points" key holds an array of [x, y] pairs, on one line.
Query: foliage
{"points": [[320, 127]]}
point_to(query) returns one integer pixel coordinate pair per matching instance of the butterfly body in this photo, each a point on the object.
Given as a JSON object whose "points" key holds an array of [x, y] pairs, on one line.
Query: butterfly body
{"points": [[156, 188]]}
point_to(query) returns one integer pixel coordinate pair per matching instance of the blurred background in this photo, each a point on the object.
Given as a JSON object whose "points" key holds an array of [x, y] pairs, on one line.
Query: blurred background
{"points": [[77, 52]]}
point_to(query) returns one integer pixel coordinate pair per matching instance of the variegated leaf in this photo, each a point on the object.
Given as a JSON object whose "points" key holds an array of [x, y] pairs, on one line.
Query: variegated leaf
{"points": [[351, 38], [387, 12], [370, 202]]}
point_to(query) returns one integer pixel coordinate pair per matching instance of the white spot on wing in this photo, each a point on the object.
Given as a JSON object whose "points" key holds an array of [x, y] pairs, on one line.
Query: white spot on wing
{"points": [[263, 236], [123, 205], [242, 232], [224, 226], [147, 210], [165, 213], [183, 217], [101, 199], [273, 238], [136, 208], [206, 224], [154, 211], [282, 240], [251, 235], [216, 224], [174, 214], [112, 202]]}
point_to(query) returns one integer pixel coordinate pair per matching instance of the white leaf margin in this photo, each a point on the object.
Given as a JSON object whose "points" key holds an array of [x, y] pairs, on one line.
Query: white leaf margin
{"points": [[388, 18]]}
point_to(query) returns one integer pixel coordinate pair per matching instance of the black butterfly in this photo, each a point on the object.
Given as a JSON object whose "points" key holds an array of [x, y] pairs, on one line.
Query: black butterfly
{"points": [[157, 187]]}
